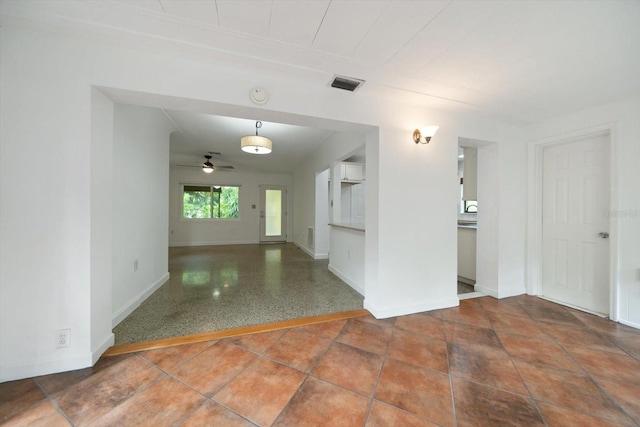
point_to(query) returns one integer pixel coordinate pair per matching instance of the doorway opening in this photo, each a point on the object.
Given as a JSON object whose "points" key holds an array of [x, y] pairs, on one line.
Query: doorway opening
{"points": [[476, 218], [195, 278]]}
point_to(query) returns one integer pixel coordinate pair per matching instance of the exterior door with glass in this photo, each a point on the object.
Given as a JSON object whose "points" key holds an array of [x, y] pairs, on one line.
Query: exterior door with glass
{"points": [[273, 213]]}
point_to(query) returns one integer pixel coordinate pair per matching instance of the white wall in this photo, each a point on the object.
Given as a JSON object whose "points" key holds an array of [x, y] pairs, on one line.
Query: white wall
{"points": [[321, 230], [140, 205], [101, 199], [332, 150], [45, 254], [246, 229], [623, 118], [46, 84], [347, 257], [487, 244]]}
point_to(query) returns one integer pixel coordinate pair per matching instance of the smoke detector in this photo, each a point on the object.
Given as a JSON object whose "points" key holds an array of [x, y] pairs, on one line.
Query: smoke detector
{"points": [[259, 95], [346, 83]]}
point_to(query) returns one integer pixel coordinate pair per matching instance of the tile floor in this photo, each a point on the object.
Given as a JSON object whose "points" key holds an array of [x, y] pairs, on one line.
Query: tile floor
{"points": [[521, 361], [215, 288]]}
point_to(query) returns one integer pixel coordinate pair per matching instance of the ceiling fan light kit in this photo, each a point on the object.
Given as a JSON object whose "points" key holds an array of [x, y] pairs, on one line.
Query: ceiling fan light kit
{"points": [[207, 166], [256, 144]]}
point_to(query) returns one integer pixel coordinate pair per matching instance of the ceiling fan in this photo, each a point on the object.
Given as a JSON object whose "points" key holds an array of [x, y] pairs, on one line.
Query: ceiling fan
{"points": [[209, 167]]}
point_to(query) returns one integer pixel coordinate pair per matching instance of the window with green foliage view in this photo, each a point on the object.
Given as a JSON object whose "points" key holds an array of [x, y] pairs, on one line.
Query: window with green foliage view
{"points": [[210, 201]]}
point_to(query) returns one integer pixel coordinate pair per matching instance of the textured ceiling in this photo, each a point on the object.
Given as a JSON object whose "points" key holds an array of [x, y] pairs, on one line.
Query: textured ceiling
{"points": [[523, 61]]}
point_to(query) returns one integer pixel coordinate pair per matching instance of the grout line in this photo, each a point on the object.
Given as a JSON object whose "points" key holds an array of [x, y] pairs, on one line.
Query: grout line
{"points": [[450, 375], [206, 397], [50, 399], [308, 374], [583, 373], [384, 362]]}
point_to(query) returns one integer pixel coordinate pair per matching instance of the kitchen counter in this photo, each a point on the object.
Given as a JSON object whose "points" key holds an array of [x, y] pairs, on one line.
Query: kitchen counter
{"points": [[474, 226], [348, 225], [467, 224]]}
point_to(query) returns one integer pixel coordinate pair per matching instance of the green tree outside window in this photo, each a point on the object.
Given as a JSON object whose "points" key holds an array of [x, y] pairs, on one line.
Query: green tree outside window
{"points": [[200, 201]]}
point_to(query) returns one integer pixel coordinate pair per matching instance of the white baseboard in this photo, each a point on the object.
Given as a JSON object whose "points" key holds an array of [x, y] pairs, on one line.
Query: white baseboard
{"points": [[501, 293], [54, 365], [471, 295], [466, 280], [383, 313], [108, 342], [359, 288], [213, 243], [307, 250], [628, 323], [45, 367], [135, 302], [487, 291], [511, 292]]}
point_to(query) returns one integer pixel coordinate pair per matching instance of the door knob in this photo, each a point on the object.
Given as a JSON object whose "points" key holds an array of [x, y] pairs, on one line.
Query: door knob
{"points": [[604, 235]]}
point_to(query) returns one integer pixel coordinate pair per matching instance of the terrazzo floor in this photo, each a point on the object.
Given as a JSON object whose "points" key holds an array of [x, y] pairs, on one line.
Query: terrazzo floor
{"points": [[214, 288], [465, 288]]}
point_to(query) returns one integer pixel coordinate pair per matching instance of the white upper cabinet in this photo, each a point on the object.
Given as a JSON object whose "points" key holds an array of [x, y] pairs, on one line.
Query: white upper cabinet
{"points": [[470, 174], [351, 172]]}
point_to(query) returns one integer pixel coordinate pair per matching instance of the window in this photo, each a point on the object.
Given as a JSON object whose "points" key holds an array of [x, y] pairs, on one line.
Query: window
{"points": [[210, 201], [470, 206], [467, 206]]}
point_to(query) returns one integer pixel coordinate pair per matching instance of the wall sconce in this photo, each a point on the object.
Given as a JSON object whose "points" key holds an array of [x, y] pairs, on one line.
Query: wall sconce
{"points": [[427, 132]]}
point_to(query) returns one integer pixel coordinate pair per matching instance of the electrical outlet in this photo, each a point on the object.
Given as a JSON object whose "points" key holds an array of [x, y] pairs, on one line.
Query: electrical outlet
{"points": [[135, 265], [62, 338]]}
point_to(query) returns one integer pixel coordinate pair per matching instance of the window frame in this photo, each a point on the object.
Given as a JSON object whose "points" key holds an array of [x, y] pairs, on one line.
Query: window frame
{"points": [[212, 188]]}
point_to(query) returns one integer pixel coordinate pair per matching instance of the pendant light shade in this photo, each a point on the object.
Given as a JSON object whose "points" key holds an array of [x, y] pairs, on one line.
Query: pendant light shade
{"points": [[256, 144]]}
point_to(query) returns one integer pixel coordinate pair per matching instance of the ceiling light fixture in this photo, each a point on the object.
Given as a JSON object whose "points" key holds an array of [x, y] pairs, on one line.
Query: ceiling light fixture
{"points": [[427, 132], [207, 166], [256, 144]]}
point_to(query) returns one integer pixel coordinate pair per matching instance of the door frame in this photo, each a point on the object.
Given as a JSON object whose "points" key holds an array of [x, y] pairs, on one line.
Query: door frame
{"points": [[534, 210]]}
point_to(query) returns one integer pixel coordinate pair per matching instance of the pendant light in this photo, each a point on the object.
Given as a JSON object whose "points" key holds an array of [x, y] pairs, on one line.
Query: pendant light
{"points": [[256, 144]]}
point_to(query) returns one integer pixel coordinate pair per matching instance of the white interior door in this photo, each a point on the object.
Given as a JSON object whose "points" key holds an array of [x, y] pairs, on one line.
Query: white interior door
{"points": [[273, 213], [575, 245]]}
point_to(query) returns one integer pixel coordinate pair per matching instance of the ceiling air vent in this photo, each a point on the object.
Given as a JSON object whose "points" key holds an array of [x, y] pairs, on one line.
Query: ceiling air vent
{"points": [[346, 83]]}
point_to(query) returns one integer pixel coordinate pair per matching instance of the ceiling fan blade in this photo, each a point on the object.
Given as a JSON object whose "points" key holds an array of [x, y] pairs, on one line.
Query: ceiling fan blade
{"points": [[190, 166], [223, 167]]}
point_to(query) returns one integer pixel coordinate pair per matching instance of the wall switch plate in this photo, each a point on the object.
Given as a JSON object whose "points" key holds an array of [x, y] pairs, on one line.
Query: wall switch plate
{"points": [[62, 338]]}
